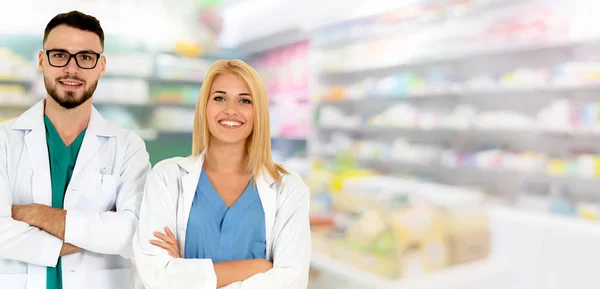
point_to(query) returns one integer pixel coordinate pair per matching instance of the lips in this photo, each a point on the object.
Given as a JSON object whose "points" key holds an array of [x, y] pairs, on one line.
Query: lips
{"points": [[70, 84]]}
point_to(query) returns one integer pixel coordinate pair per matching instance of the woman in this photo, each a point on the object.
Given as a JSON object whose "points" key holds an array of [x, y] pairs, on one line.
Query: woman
{"points": [[227, 216]]}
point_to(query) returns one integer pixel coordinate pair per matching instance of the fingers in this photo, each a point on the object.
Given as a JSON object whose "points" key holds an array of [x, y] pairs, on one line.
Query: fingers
{"points": [[162, 237], [168, 247], [163, 245], [169, 242], [165, 238], [169, 233]]}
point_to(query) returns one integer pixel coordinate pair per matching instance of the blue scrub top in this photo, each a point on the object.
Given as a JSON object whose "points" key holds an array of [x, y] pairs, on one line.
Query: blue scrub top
{"points": [[225, 234]]}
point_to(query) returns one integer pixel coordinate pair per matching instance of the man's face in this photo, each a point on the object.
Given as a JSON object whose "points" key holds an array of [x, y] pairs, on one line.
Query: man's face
{"points": [[71, 85]]}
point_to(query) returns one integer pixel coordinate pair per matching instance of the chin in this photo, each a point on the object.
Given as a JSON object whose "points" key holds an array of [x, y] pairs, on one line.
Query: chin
{"points": [[229, 139]]}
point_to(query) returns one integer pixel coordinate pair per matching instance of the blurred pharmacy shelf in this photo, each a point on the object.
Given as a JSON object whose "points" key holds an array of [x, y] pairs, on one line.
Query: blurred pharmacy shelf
{"points": [[479, 274]]}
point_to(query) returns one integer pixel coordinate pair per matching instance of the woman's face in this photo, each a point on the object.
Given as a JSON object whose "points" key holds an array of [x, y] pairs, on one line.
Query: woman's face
{"points": [[230, 112]]}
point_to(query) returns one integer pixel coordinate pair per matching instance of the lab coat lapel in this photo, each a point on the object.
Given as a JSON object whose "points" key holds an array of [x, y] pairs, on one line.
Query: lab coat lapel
{"points": [[32, 122], [189, 182], [97, 127], [268, 198]]}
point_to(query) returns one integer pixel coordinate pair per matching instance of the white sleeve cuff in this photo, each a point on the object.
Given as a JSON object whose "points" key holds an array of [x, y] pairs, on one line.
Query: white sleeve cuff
{"points": [[75, 228], [49, 255]]}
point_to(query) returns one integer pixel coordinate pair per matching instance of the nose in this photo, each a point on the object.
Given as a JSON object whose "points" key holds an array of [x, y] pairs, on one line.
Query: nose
{"points": [[71, 67], [230, 108]]}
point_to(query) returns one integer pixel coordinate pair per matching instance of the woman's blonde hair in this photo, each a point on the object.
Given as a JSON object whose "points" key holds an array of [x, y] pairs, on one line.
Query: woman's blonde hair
{"points": [[258, 146]]}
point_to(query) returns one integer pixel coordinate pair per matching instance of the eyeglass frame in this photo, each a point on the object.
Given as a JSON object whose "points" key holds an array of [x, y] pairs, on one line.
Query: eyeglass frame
{"points": [[71, 55]]}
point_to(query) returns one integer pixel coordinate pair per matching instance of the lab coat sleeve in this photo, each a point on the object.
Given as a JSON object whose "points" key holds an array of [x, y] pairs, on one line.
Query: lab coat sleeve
{"points": [[292, 247], [155, 267], [18, 240], [111, 233]]}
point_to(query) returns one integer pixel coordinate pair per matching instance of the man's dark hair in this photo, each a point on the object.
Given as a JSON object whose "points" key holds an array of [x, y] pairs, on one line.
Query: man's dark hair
{"points": [[77, 20]]}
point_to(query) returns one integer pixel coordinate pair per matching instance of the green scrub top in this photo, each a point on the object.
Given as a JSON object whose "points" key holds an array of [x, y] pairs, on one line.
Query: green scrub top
{"points": [[62, 163]]}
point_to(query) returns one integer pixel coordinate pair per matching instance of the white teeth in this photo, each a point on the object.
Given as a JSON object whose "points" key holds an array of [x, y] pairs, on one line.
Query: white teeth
{"points": [[230, 123], [71, 83]]}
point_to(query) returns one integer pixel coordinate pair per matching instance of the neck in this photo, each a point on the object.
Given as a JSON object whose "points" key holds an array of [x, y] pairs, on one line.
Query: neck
{"points": [[69, 123], [225, 158]]}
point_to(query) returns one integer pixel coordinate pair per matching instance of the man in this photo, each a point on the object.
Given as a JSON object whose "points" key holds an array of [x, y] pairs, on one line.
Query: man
{"points": [[71, 183]]}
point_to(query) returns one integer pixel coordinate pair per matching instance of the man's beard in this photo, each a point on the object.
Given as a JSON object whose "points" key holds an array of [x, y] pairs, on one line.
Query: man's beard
{"points": [[70, 99]]}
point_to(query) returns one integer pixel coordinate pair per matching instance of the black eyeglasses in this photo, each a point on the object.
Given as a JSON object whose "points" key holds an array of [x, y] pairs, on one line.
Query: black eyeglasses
{"points": [[84, 59]]}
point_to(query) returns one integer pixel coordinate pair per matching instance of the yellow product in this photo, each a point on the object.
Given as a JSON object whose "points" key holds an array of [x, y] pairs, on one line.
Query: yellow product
{"points": [[348, 203], [466, 220], [416, 223], [556, 167], [368, 229], [589, 211], [467, 233], [469, 246], [337, 181], [597, 166], [420, 236]]}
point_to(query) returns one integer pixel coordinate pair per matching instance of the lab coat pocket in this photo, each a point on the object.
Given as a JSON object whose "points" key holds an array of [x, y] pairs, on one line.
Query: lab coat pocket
{"points": [[104, 193], [13, 281], [258, 249]]}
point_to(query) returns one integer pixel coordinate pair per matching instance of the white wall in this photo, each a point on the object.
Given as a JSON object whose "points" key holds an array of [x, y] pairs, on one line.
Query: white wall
{"points": [[252, 19], [157, 22]]}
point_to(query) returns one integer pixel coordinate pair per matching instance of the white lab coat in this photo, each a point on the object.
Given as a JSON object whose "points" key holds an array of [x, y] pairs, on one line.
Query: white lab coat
{"points": [[168, 197], [25, 251]]}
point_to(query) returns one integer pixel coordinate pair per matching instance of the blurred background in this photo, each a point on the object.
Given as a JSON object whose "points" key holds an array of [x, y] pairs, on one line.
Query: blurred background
{"points": [[447, 143]]}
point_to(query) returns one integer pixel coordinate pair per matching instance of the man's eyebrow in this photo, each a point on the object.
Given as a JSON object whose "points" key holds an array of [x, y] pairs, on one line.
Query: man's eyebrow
{"points": [[64, 50]]}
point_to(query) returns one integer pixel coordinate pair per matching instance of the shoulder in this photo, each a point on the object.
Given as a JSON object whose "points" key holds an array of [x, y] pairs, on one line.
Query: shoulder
{"points": [[5, 125], [8, 135], [292, 188], [168, 167], [164, 177], [125, 135]]}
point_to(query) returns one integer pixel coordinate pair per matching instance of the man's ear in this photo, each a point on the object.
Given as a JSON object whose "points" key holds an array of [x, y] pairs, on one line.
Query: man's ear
{"points": [[41, 61], [102, 65]]}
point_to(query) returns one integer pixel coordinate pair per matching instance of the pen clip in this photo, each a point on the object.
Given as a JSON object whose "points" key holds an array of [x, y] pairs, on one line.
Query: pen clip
{"points": [[102, 172]]}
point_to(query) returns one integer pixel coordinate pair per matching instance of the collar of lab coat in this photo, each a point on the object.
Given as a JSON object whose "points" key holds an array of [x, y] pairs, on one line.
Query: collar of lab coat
{"points": [[268, 196], [33, 119], [193, 165]]}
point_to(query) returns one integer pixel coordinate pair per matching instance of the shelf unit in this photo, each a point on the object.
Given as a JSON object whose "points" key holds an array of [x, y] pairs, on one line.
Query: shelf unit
{"points": [[464, 63], [356, 85]]}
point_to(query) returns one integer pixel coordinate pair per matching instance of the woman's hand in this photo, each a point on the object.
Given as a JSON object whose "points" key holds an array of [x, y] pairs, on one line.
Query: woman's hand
{"points": [[169, 244]]}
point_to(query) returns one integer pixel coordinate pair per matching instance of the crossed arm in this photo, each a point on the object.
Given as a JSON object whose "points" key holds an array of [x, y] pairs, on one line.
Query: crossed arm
{"points": [[227, 272], [39, 234], [51, 220]]}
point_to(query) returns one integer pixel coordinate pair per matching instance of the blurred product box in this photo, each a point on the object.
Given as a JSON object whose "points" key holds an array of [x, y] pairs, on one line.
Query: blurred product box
{"points": [[400, 228]]}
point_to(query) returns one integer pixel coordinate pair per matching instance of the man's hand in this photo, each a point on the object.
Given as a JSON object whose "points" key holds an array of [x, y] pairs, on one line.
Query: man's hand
{"points": [[51, 220], [169, 243], [68, 249], [23, 213]]}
